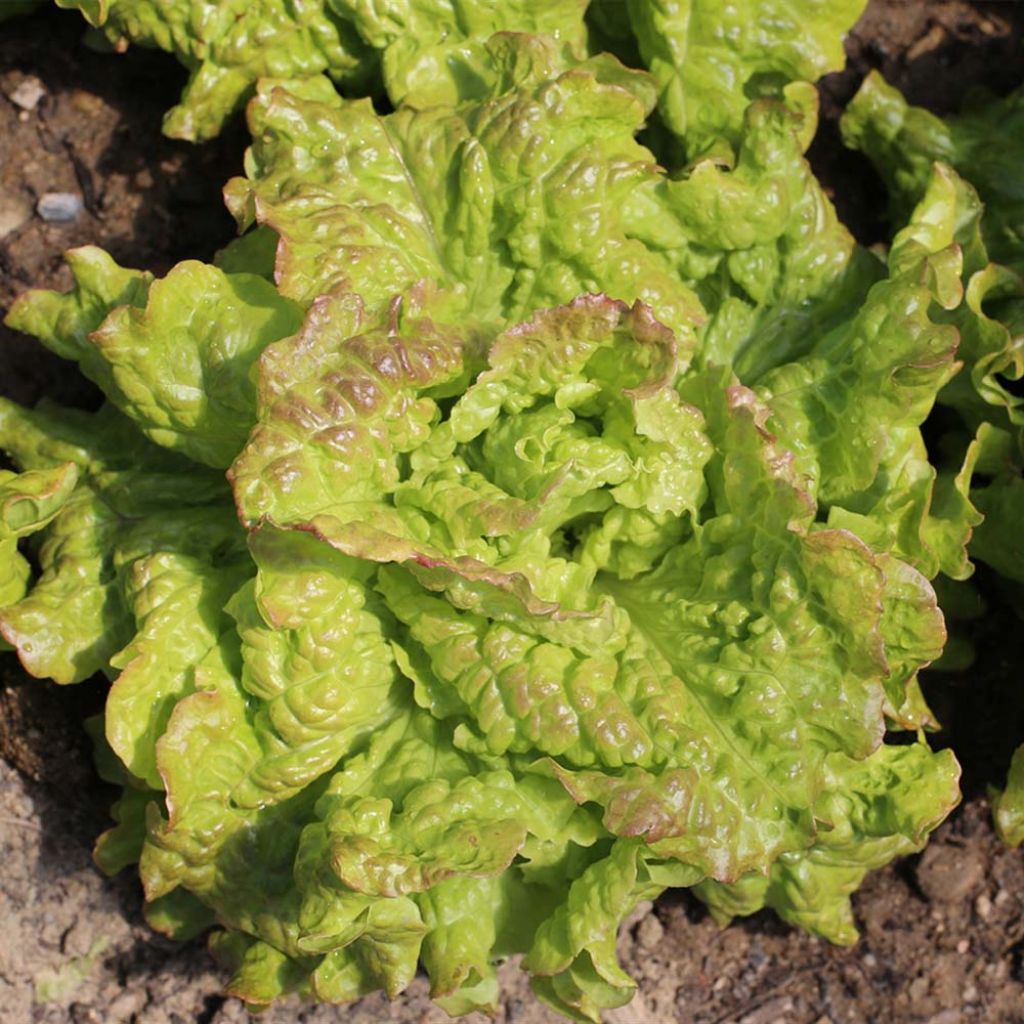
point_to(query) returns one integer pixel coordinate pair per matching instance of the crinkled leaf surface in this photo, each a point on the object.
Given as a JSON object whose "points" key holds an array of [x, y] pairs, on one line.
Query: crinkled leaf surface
{"points": [[985, 216], [874, 810], [711, 59], [228, 46], [541, 601], [542, 171], [851, 410], [516, 200], [598, 572], [434, 51], [130, 499], [525, 618], [175, 355], [28, 502]]}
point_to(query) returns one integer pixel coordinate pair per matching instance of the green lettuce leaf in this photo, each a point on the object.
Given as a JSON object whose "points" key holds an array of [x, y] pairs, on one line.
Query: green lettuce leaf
{"points": [[852, 409], [711, 59], [130, 499], [175, 355], [760, 241], [435, 53], [63, 321], [1008, 805], [178, 603], [226, 47], [516, 200], [712, 742], [871, 811], [28, 502], [999, 495], [982, 144]]}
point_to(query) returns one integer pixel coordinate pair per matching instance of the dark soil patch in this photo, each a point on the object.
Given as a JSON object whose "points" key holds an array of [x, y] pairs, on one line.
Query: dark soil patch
{"points": [[943, 935]]}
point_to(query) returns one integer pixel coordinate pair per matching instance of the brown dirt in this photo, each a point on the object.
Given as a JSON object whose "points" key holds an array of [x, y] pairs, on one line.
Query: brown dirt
{"points": [[943, 934]]}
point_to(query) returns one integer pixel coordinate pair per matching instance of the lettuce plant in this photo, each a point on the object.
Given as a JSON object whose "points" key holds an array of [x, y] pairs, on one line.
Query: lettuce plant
{"points": [[502, 529], [904, 142], [514, 632]]}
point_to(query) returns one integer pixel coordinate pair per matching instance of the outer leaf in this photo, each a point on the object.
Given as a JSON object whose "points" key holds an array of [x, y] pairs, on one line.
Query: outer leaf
{"points": [[49, 436], [852, 409], [122, 845], [769, 257], [63, 322], [875, 810], [179, 915], [434, 51], [315, 657], [982, 144], [180, 368], [178, 603], [237, 861], [710, 59], [1000, 498], [227, 46], [74, 618], [573, 957], [1009, 804], [456, 951], [515, 200], [28, 501], [262, 973]]}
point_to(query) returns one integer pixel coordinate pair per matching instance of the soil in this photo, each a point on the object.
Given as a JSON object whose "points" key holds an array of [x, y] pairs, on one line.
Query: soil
{"points": [[943, 934]]}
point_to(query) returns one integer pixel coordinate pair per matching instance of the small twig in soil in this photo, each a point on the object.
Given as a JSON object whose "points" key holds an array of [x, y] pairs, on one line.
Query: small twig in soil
{"points": [[84, 179]]}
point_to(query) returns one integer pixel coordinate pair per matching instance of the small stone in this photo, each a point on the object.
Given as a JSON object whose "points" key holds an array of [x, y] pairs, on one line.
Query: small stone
{"points": [[14, 211], [919, 988], [127, 1005], [970, 994], [59, 207], [962, 946], [79, 939], [27, 93], [650, 933], [983, 907], [948, 874], [946, 1017], [869, 960], [1002, 898]]}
